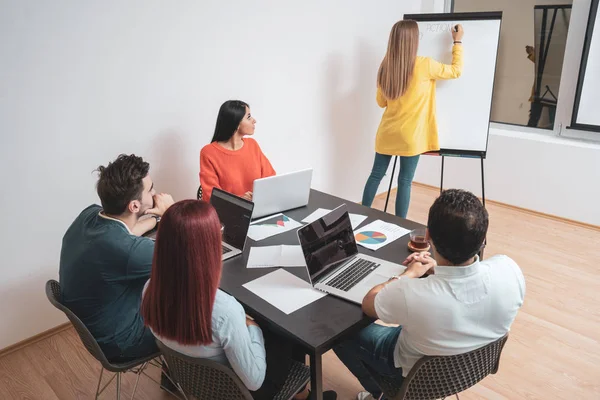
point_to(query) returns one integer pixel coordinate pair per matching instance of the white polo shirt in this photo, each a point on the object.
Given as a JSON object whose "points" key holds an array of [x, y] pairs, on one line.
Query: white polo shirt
{"points": [[457, 310]]}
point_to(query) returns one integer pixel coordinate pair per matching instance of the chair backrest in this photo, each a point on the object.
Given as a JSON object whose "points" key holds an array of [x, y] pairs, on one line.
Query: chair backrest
{"points": [[436, 377], [53, 293], [204, 378]]}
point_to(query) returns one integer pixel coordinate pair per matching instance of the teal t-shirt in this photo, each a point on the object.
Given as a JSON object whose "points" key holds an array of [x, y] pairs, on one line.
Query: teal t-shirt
{"points": [[103, 268]]}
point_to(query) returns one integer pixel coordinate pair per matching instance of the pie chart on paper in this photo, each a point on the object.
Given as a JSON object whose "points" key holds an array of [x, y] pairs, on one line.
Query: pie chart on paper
{"points": [[370, 237]]}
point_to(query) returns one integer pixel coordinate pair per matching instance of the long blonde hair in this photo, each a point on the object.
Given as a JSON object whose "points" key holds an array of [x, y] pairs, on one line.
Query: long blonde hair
{"points": [[396, 69]]}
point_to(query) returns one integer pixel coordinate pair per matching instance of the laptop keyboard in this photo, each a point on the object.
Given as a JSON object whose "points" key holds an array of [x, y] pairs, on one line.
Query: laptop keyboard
{"points": [[353, 274], [225, 249]]}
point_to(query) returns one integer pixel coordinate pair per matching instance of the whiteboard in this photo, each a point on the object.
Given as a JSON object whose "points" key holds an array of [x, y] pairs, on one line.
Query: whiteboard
{"points": [[463, 104], [585, 114]]}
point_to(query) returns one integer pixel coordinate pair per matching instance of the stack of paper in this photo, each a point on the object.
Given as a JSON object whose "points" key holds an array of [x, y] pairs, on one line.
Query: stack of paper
{"points": [[276, 256]]}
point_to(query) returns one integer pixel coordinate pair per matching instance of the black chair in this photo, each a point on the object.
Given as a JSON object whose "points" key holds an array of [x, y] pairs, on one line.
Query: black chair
{"points": [[435, 377], [199, 194], [136, 366], [208, 379]]}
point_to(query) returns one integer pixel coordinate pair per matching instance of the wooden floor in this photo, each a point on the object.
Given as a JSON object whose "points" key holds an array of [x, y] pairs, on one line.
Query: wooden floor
{"points": [[553, 351]]}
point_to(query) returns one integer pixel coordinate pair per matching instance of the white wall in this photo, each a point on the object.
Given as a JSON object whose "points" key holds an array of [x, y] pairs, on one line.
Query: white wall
{"points": [[551, 175], [82, 82]]}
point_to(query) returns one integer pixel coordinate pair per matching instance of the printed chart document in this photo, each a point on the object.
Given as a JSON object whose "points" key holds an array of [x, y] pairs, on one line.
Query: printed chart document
{"points": [[378, 233], [284, 291], [355, 219], [276, 256], [271, 226]]}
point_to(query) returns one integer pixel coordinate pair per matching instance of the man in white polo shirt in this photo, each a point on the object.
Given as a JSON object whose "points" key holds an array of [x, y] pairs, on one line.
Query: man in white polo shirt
{"points": [[462, 305]]}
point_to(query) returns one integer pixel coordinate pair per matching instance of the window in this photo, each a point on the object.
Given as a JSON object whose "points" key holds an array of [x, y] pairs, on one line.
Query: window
{"points": [[585, 110], [530, 58]]}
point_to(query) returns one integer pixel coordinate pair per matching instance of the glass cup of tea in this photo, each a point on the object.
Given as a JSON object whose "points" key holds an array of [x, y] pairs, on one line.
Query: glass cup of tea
{"points": [[418, 240]]}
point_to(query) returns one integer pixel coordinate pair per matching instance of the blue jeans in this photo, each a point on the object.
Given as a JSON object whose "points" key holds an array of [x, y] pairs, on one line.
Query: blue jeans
{"points": [[374, 345], [408, 166]]}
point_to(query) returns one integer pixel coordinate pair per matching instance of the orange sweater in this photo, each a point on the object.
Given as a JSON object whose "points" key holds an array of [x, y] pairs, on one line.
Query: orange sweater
{"points": [[232, 170]]}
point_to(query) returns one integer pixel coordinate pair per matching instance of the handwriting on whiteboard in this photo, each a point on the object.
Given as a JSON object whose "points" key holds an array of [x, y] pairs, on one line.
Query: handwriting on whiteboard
{"points": [[437, 27], [434, 27]]}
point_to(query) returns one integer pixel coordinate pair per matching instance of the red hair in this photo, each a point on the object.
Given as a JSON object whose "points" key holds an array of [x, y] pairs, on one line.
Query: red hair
{"points": [[186, 270]]}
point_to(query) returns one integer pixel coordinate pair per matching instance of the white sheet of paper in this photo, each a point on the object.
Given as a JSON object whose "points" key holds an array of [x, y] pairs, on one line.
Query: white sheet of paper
{"points": [[355, 219], [319, 212], [378, 234], [276, 256], [264, 257], [284, 291], [292, 256], [271, 226]]}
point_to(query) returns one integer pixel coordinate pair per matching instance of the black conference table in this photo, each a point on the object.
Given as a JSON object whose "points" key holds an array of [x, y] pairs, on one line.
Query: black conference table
{"points": [[320, 325]]}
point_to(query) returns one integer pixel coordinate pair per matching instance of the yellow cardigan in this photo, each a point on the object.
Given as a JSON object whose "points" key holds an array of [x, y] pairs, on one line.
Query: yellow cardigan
{"points": [[408, 126]]}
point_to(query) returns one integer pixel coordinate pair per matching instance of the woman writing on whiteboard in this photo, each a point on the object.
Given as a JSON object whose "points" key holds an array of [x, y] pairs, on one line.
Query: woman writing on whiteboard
{"points": [[406, 89], [232, 161]]}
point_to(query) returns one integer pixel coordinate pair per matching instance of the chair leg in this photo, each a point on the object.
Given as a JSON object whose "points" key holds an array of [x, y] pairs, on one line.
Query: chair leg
{"points": [[99, 382], [137, 380], [178, 386], [118, 386]]}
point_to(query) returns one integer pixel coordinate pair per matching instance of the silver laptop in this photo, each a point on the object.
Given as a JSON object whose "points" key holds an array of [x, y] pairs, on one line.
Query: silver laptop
{"points": [[333, 262], [235, 214], [281, 193]]}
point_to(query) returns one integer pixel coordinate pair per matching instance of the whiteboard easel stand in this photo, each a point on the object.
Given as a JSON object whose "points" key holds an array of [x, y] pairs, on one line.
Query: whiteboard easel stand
{"points": [[480, 156]]}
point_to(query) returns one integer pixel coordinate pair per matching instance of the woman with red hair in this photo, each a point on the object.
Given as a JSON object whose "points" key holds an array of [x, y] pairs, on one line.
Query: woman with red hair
{"points": [[184, 308]]}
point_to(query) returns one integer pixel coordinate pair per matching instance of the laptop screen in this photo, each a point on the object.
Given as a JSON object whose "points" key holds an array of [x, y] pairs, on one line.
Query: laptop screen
{"points": [[327, 241], [235, 214]]}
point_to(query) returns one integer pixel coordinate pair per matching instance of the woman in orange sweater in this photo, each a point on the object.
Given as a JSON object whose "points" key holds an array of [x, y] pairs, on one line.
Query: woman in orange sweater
{"points": [[232, 162], [406, 89]]}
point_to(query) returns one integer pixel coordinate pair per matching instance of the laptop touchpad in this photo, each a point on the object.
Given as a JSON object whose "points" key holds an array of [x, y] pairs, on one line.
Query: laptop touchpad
{"points": [[375, 279]]}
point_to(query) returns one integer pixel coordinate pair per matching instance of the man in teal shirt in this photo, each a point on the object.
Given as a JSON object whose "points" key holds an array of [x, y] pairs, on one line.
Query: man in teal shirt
{"points": [[105, 262]]}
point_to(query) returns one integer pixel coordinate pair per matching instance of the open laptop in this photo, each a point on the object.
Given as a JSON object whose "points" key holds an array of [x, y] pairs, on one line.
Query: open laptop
{"points": [[333, 262], [235, 214], [281, 193]]}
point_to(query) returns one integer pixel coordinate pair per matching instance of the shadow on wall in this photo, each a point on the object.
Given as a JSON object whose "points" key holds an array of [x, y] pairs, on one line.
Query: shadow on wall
{"points": [[170, 166], [352, 132], [25, 310]]}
